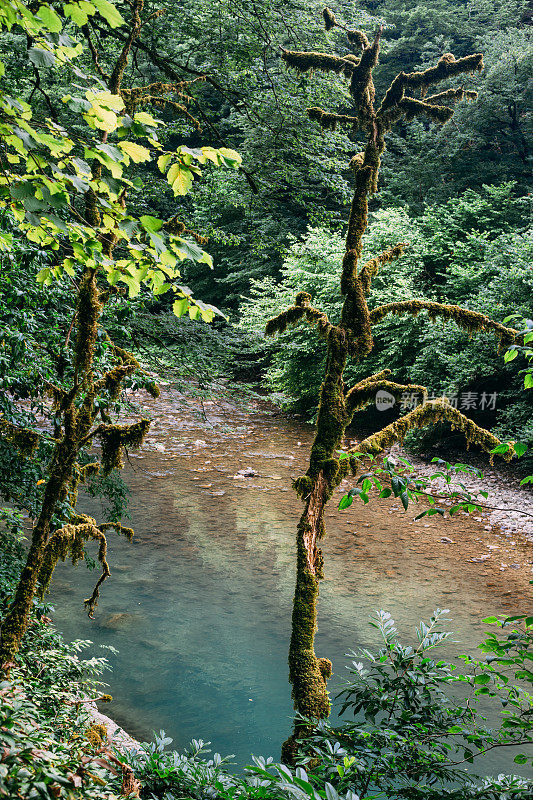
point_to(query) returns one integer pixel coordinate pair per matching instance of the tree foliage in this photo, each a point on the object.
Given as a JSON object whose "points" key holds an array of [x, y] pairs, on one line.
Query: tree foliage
{"points": [[66, 192]]}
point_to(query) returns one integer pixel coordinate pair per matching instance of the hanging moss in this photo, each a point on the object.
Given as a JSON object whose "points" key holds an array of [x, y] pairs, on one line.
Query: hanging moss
{"points": [[125, 356], [25, 440], [303, 62], [329, 19], [120, 529], [301, 309], [330, 121], [69, 542], [470, 321], [361, 84], [114, 437], [358, 39], [451, 95], [356, 161], [371, 268], [413, 108], [447, 67], [430, 413], [88, 471], [361, 396], [112, 380]]}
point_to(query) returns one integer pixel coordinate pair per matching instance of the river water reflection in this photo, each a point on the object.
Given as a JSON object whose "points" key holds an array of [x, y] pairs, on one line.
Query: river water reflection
{"points": [[199, 604]]}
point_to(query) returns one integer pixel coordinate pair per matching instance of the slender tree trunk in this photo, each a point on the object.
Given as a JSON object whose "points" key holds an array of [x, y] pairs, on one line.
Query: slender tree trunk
{"points": [[77, 423]]}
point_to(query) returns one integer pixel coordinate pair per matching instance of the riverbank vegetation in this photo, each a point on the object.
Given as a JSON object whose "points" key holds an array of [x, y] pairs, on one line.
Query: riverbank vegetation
{"points": [[139, 145], [412, 740]]}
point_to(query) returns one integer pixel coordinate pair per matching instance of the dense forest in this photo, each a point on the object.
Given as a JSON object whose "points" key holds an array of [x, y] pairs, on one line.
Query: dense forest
{"points": [[259, 231]]}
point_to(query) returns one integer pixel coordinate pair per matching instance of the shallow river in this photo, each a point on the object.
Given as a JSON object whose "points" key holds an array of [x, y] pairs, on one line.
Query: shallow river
{"points": [[199, 604]]}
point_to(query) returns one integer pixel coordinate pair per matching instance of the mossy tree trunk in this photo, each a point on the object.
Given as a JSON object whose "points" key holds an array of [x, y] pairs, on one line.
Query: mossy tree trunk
{"points": [[78, 412], [352, 338]]}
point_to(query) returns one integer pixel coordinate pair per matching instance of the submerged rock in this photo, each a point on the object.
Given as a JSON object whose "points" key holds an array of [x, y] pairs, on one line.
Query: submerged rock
{"points": [[247, 472]]}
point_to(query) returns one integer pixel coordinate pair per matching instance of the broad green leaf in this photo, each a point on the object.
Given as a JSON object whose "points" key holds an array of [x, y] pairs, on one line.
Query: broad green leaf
{"points": [[345, 502], [230, 157], [146, 119], [501, 448], [510, 355], [151, 224], [180, 178], [163, 161], [109, 13], [105, 99], [79, 12], [180, 306], [50, 19], [136, 151], [40, 57]]}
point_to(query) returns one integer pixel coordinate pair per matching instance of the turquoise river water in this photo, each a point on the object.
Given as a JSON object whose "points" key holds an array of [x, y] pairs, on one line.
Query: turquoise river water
{"points": [[199, 605]]}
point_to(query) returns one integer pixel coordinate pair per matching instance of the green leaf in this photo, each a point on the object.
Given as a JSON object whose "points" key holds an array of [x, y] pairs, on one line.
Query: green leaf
{"points": [[22, 190], [510, 355], [109, 13], [79, 12], [137, 152], [528, 381], [520, 759], [520, 448], [345, 502], [146, 119], [51, 20], [180, 179], [151, 224], [405, 500], [40, 57], [180, 306], [163, 161], [501, 448]]}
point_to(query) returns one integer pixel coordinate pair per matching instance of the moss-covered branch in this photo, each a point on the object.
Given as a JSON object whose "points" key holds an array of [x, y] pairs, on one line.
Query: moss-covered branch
{"points": [[69, 542], [470, 321], [114, 437], [305, 61], [329, 121], [451, 96], [411, 108], [371, 268], [447, 67], [361, 396], [430, 413], [302, 309], [25, 440]]}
